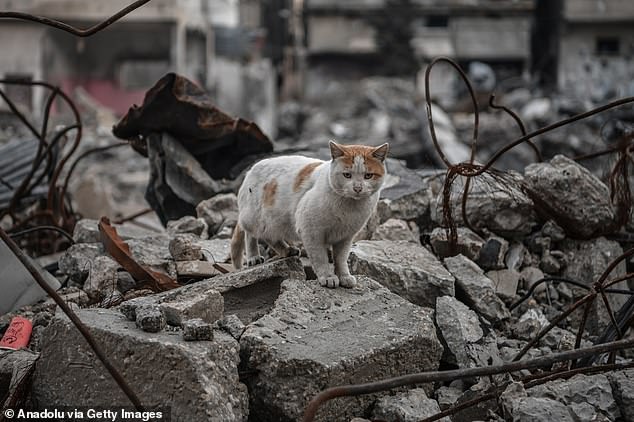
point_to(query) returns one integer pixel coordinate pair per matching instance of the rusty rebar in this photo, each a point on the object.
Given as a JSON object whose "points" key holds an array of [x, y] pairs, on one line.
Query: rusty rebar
{"points": [[71, 29], [441, 376], [85, 332]]}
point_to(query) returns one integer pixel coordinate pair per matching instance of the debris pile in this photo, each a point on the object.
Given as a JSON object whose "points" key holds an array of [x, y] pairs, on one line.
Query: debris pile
{"points": [[526, 265]]}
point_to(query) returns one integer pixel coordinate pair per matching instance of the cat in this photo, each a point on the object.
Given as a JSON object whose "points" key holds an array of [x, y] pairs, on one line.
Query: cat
{"points": [[323, 204]]}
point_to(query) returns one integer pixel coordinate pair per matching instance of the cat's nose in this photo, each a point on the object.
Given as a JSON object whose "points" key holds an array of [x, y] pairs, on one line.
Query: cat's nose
{"points": [[357, 189]]}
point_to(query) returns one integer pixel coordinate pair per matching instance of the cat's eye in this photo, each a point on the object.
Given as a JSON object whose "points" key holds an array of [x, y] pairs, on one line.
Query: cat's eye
{"points": [[368, 176], [347, 175]]}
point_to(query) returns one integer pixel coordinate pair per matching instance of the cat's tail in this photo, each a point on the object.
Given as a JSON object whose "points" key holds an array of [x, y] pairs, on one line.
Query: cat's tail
{"points": [[237, 247]]}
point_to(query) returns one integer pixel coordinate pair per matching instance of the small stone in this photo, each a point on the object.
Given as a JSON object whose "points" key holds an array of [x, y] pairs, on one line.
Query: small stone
{"points": [[515, 256], [510, 395], [182, 248], [197, 330], [469, 243], [395, 229], [533, 409], [232, 325], [492, 253], [77, 260], [447, 396], [102, 278], [219, 210], [549, 264], [125, 281], [554, 231], [188, 225], [530, 276], [530, 324], [623, 389], [476, 288], [150, 318], [505, 283], [410, 406], [564, 291]]}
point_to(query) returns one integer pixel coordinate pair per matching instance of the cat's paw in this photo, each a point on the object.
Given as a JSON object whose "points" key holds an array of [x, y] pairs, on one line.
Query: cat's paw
{"points": [[348, 281], [330, 281], [255, 260]]}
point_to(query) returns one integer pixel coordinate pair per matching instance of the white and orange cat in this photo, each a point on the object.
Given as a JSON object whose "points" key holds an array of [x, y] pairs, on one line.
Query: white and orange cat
{"points": [[323, 204]]}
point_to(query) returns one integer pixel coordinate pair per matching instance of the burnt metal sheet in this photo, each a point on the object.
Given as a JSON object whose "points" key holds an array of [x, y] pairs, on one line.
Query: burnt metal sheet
{"points": [[181, 108]]}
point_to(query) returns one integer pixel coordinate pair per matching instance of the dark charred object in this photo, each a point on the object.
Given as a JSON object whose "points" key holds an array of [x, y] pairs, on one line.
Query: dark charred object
{"points": [[221, 145]]}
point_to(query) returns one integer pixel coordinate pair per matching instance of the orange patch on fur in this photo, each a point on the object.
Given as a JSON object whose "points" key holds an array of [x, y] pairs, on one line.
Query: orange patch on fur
{"points": [[268, 197], [372, 165], [304, 174]]}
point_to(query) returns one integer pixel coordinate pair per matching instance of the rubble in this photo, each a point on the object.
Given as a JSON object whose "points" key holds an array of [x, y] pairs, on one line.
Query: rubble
{"points": [[16, 367], [476, 289], [219, 211], [314, 338], [408, 270], [201, 380], [197, 330], [188, 224], [492, 253], [182, 248], [102, 278], [469, 243], [395, 229], [411, 406], [460, 330]]}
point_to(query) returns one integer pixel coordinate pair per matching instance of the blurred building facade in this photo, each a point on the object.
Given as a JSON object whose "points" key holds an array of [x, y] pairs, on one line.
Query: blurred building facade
{"points": [[596, 50], [216, 43]]}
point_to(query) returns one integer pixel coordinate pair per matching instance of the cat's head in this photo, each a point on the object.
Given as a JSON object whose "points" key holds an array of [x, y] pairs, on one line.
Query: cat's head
{"points": [[357, 171]]}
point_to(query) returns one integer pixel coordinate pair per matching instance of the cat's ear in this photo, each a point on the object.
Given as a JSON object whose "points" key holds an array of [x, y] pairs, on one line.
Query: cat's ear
{"points": [[380, 152], [335, 150]]}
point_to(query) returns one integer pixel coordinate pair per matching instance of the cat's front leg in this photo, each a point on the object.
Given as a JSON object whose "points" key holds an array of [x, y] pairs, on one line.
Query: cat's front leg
{"points": [[318, 254], [341, 251]]}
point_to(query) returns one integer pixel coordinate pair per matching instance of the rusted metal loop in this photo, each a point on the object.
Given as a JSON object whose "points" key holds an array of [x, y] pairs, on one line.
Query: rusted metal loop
{"points": [[520, 124], [71, 29], [428, 103]]}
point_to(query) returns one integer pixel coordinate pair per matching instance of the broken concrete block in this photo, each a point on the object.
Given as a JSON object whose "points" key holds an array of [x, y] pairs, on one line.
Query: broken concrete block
{"points": [[581, 390], [469, 243], [571, 195], [180, 304], [150, 318], [476, 289], [215, 250], [515, 256], [460, 330], [102, 278], [492, 254], [77, 260], [549, 264], [505, 283], [623, 388], [232, 325], [197, 269], [395, 229], [586, 261], [15, 369], [497, 205], [410, 406], [182, 248], [530, 324], [125, 281], [408, 270], [200, 382], [315, 338], [153, 252], [447, 396], [533, 409], [197, 330], [87, 231], [553, 231], [188, 224], [219, 210], [511, 394]]}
